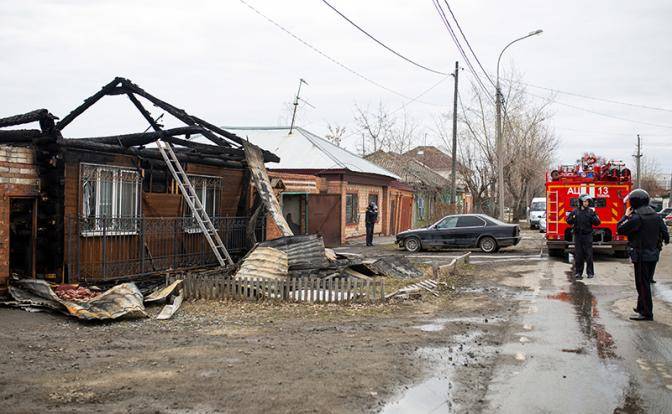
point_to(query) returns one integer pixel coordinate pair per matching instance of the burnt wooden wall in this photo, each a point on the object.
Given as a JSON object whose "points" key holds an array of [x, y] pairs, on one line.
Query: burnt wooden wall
{"points": [[153, 204]]}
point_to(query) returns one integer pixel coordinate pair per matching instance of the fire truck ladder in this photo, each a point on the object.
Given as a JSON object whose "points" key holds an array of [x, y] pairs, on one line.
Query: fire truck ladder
{"points": [[194, 203], [552, 207]]}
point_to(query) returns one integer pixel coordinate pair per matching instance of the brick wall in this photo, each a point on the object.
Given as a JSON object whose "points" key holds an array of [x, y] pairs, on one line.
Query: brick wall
{"points": [[363, 191], [18, 178]]}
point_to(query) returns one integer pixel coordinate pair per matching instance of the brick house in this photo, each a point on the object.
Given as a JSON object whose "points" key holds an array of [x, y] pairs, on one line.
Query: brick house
{"points": [[345, 184], [430, 189], [442, 163]]}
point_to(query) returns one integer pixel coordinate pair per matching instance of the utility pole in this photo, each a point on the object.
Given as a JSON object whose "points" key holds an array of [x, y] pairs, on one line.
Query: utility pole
{"points": [[453, 179], [638, 158], [296, 104], [500, 150]]}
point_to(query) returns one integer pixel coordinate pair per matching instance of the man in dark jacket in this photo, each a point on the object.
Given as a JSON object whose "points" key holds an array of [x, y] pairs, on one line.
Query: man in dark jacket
{"points": [[582, 220], [644, 228], [371, 219]]}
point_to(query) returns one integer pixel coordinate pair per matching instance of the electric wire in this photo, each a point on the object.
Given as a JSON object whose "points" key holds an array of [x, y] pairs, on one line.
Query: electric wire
{"points": [[336, 62], [446, 22], [450, 10], [593, 98], [370, 36]]}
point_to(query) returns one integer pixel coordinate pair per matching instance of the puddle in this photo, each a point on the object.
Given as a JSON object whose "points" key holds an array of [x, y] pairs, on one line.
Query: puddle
{"points": [[436, 394], [662, 292], [439, 324]]}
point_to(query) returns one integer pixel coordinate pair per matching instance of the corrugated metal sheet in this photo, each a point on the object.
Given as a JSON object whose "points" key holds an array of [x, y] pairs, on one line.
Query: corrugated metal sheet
{"points": [[303, 150], [264, 263], [303, 252], [123, 300]]}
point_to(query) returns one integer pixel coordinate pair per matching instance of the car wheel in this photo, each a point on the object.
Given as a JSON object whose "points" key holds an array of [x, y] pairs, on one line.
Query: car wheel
{"points": [[487, 245], [412, 244]]}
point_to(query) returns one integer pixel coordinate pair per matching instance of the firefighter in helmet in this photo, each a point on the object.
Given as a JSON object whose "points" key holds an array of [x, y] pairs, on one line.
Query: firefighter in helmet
{"points": [[646, 232], [582, 220]]}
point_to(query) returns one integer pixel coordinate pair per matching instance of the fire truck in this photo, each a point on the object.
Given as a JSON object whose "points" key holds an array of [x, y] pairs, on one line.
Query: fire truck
{"points": [[608, 182]]}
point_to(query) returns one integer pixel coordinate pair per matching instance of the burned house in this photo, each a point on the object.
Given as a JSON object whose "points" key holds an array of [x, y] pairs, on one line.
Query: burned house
{"points": [[104, 209]]}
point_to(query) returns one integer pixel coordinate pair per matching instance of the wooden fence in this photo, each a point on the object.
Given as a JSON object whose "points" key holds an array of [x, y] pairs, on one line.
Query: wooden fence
{"points": [[311, 290]]}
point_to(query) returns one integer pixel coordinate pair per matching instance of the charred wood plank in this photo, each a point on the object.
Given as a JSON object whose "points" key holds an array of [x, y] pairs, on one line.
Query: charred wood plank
{"points": [[144, 138], [32, 116], [205, 148], [19, 135], [88, 102], [89, 145]]}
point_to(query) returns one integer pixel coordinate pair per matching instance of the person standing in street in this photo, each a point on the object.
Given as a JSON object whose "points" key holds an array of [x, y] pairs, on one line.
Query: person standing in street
{"points": [[644, 228], [582, 220], [371, 219]]}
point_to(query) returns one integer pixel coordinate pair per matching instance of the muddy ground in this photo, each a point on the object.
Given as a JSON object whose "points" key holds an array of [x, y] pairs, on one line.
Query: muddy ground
{"points": [[245, 357]]}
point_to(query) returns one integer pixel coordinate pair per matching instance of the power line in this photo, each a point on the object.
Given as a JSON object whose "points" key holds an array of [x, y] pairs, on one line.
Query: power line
{"points": [[321, 53], [444, 19], [468, 44], [578, 95], [370, 36], [602, 113]]}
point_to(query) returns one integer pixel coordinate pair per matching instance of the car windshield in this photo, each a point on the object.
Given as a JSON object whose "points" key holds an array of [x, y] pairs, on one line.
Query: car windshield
{"points": [[538, 206]]}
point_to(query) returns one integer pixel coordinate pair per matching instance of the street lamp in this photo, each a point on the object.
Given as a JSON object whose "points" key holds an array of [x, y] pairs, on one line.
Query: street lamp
{"points": [[498, 127]]}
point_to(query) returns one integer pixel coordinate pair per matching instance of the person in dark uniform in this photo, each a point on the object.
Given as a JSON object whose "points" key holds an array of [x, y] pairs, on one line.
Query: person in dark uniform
{"points": [[644, 228], [371, 219], [582, 220]]}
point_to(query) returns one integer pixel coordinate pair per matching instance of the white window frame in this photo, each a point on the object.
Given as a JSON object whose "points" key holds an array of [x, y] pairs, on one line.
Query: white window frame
{"points": [[117, 171], [204, 199]]}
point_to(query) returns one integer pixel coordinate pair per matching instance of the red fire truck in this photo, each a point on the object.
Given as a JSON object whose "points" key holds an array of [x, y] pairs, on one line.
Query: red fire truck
{"points": [[607, 182]]}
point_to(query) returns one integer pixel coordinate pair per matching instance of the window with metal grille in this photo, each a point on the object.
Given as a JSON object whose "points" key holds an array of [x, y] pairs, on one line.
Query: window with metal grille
{"points": [[110, 199], [208, 191]]}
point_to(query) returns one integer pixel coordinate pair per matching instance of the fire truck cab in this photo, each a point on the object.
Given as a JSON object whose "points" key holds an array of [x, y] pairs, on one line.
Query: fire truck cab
{"points": [[607, 182]]}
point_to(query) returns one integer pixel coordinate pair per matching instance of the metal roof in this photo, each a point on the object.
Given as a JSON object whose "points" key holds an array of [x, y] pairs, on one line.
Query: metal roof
{"points": [[303, 150]]}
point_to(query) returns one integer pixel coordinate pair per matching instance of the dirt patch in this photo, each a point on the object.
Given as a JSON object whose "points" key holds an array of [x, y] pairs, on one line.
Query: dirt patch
{"points": [[241, 357]]}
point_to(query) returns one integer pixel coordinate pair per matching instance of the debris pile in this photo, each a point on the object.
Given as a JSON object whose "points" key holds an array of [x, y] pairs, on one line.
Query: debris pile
{"points": [[75, 292]]}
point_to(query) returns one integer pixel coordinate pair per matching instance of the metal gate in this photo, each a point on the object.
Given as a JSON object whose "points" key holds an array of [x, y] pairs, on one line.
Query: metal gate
{"points": [[324, 217]]}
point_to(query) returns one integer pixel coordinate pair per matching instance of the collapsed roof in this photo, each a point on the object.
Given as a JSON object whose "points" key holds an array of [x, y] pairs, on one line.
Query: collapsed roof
{"points": [[225, 148]]}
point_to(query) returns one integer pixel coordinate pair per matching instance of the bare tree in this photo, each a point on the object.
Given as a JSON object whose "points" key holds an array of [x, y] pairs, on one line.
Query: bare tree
{"points": [[529, 146], [376, 127], [335, 134], [650, 181], [382, 131]]}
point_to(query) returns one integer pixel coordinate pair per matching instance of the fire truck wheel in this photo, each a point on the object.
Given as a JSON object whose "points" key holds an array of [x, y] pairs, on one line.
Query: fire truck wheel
{"points": [[621, 254], [488, 245], [412, 244]]}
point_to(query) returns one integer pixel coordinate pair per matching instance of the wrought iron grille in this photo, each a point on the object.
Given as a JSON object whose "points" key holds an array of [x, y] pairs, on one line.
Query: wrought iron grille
{"points": [[154, 244]]}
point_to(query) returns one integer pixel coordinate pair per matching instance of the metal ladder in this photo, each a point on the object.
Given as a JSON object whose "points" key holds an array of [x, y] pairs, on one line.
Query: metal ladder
{"points": [[194, 203]]}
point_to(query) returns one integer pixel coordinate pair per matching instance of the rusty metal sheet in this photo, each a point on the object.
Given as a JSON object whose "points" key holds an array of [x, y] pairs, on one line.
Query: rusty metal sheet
{"points": [[264, 263], [303, 252], [123, 300]]}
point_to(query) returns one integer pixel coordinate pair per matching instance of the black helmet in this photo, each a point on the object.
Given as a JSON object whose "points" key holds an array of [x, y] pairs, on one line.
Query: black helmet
{"points": [[638, 198], [584, 197]]}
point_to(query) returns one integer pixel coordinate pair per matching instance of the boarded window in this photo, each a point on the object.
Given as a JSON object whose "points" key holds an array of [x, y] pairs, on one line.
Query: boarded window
{"points": [[351, 209], [110, 198]]}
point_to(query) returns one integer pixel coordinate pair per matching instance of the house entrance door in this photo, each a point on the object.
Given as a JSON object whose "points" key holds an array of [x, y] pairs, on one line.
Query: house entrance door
{"points": [[22, 234]]}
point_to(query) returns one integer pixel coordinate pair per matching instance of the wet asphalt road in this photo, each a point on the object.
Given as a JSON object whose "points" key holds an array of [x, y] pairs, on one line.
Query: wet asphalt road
{"points": [[574, 349], [571, 348]]}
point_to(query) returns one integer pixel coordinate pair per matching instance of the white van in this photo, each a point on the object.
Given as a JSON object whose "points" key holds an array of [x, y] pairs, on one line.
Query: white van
{"points": [[536, 210]]}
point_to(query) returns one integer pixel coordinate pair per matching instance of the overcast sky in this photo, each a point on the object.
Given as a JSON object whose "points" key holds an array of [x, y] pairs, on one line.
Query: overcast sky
{"points": [[224, 62]]}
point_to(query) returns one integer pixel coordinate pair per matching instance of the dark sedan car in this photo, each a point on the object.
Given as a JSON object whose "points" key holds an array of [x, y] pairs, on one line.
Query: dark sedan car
{"points": [[462, 231]]}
